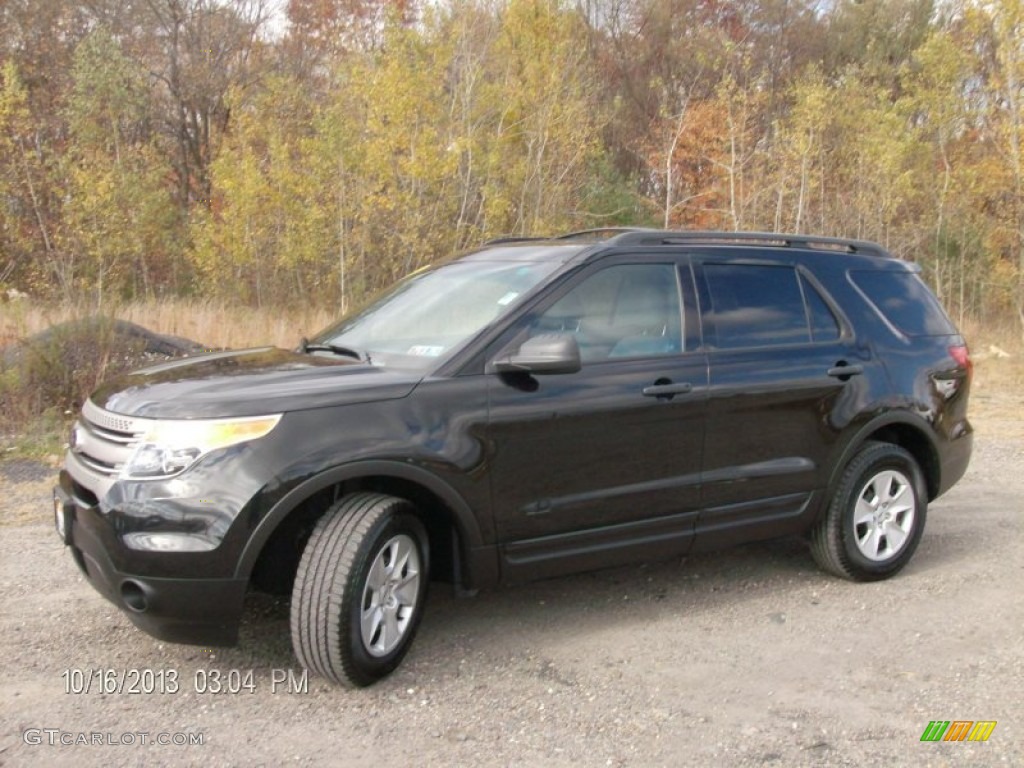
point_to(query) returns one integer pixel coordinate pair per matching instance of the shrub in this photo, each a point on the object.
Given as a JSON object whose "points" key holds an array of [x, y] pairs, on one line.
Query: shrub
{"points": [[45, 378]]}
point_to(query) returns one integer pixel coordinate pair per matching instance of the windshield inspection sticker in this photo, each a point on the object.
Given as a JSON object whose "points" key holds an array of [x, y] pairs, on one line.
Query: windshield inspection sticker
{"points": [[424, 350], [508, 298]]}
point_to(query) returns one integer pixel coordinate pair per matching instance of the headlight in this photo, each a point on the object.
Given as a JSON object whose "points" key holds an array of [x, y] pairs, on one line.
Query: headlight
{"points": [[170, 447]]}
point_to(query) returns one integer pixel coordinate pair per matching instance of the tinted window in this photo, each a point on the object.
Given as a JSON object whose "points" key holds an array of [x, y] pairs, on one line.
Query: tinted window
{"points": [[905, 301], [824, 326], [753, 305], [628, 310]]}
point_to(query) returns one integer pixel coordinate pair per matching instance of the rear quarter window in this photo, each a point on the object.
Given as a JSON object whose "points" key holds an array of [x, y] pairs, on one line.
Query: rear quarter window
{"points": [[905, 301]]}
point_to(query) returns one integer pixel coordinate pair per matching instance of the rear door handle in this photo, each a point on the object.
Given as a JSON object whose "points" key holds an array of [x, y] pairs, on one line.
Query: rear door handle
{"points": [[667, 390], [845, 371]]}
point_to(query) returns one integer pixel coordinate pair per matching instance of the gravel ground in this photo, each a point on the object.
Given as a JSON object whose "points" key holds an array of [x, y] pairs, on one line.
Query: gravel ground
{"points": [[744, 658]]}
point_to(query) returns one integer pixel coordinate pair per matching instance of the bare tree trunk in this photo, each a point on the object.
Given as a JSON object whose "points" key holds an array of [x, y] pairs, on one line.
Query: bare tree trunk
{"points": [[342, 236], [733, 161], [61, 271], [1010, 47], [669, 161]]}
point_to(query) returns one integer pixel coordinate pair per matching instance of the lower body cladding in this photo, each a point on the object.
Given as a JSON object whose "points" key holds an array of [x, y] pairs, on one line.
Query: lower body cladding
{"points": [[197, 611]]}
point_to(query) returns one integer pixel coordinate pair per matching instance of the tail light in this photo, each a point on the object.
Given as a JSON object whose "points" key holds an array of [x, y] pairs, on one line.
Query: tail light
{"points": [[962, 357]]}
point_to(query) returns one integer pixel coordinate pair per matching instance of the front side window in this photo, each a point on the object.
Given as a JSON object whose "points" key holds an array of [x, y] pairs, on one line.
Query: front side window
{"points": [[623, 311]]}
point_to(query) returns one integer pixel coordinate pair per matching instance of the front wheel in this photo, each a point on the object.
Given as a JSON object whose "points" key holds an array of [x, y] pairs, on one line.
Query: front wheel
{"points": [[360, 588], [875, 520]]}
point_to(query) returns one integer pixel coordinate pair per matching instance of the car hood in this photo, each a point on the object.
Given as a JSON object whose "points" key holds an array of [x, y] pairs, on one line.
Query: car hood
{"points": [[249, 382]]}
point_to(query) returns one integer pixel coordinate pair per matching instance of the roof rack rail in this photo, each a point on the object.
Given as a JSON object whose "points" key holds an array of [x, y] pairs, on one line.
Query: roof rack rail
{"points": [[602, 233], [513, 239], [775, 239], [598, 233]]}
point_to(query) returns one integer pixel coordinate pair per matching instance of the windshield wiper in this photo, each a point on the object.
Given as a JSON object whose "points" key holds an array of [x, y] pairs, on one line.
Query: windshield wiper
{"points": [[305, 346]]}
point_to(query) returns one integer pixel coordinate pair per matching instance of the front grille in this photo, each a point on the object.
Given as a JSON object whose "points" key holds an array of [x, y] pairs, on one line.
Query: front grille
{"points": [[101, 444], [113, 436], [111, 422], [96, 465]]}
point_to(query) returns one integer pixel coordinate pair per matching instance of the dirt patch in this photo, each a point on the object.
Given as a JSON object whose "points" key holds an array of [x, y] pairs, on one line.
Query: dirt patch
{"points": [[23, 483], [26, 471], [748, 657]]}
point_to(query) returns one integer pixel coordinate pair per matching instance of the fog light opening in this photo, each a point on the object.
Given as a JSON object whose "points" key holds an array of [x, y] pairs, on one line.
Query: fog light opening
{"points": [[134, 597]]}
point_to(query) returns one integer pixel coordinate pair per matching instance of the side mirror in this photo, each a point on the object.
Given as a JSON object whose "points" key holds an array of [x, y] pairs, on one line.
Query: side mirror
{"points": [[544, 353]]}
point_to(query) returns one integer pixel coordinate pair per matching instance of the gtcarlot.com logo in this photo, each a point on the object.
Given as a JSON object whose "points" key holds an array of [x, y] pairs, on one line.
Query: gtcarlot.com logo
{"points": [[56, 737], [958, 730]]}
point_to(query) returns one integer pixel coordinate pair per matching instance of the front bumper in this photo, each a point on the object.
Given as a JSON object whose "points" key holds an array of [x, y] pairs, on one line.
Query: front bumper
{"points": [[196, 611]]}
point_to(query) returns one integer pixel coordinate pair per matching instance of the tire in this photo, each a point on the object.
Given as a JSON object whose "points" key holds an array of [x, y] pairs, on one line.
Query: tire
{"points": [[360, 589], [876, 517]]}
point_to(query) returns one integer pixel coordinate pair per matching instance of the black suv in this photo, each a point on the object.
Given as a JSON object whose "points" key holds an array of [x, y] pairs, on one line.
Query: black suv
{"points": [[534, 408]]}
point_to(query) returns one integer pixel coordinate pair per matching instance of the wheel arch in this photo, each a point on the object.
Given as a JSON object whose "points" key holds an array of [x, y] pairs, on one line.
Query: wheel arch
{"points": [[906, 430], [451, 525]]}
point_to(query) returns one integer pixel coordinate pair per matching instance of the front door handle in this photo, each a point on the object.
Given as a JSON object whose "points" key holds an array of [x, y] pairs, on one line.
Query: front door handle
{"points": [[842, 371], [667, 390]]}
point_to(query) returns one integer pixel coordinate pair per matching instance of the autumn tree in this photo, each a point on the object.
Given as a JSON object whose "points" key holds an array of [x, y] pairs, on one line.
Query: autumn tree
{"points": [[1007, 122], [118, 217], [195, 52], [321, 31], [167, 146], [29, 217]]}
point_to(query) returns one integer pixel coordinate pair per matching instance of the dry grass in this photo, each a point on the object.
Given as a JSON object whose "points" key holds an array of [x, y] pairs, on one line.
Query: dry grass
{"points": [[997, 391], [212, 324], [997, 398]]}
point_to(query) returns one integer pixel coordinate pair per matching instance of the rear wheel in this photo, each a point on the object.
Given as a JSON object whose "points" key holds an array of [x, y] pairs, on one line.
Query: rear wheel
{"points": [[875, 520], [360, 588]]}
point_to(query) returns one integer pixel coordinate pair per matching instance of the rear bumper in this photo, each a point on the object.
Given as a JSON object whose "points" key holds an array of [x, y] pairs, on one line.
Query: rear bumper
{"points": [[955, 458], [195, 611]]}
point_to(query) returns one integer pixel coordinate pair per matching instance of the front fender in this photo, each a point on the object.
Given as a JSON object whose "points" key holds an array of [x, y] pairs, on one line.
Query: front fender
{"points": [[480, 560]]}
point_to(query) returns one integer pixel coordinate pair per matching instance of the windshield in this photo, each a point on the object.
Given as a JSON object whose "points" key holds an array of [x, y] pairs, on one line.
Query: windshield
{"points": [[430, 314]]}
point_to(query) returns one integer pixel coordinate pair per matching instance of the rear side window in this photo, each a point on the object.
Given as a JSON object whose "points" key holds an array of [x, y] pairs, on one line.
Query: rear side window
{"points": [[905, 301], [824, 326], [755, 305]]}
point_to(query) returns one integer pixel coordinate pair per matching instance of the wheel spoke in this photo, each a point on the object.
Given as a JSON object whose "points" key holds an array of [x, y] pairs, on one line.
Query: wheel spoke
{"points": [[880, 487], [890, 486], [903, 517], [895, 536], [401, 561], [901, 488], [408, 589], [378, 574], [864, 512], [392, 632], [902, 502], [371, 623], [870, 543]]}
